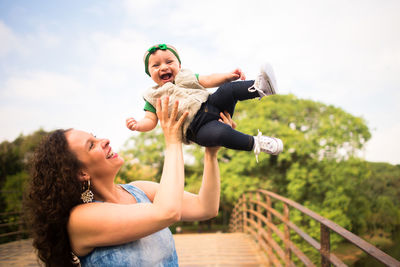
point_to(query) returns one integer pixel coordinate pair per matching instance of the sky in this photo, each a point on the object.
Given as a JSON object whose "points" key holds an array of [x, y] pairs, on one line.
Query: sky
{"points": [[79, 64]]}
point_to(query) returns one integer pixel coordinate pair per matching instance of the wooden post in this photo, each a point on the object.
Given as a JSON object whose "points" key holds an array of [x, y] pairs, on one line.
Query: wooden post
{"points": [[251, 207], [232, 220], [259, 221], [244, 213], [269, 220], [238, 225], [325, 246], [269, 217], [237, 218], [288, 254]]}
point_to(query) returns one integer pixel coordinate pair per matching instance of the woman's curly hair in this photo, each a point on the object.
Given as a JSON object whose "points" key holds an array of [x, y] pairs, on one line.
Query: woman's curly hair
{"points": [[54, 189]]}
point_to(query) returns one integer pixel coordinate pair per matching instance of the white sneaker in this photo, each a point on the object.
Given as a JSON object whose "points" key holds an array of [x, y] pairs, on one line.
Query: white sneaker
{"points": [[265, 82], [270, 145]]}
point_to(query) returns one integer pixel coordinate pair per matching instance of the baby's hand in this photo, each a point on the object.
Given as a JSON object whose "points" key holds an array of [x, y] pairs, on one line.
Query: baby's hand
{"points": [[131, 124], [237, 74]]}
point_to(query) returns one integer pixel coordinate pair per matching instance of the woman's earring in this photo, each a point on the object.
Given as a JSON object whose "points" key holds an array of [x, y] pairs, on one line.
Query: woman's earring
{"points": [[87, 196]]}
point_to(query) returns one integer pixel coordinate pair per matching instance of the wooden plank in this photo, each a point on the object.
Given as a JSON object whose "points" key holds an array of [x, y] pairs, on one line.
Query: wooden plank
{"points": [[220, 249], [11, 223], [13, 233]]}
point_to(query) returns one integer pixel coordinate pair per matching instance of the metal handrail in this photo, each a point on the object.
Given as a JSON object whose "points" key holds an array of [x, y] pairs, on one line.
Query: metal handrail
{"points": [[248, 216]]}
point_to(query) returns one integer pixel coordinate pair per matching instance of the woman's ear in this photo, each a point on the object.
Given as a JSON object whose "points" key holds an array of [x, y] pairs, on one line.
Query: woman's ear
{"points": [[83, 176]]}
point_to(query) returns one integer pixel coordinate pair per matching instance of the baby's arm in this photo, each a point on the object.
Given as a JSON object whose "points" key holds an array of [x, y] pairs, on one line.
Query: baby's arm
{"points": [[215, 80], [148, 123]]}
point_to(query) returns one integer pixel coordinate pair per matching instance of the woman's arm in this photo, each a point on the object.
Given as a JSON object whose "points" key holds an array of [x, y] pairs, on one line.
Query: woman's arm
{"points": [[105, 224], [170, 193], [205, 204]]}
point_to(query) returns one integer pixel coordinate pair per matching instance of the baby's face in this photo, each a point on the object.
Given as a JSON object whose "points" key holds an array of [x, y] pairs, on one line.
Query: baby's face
{"points": [[163, 66]]}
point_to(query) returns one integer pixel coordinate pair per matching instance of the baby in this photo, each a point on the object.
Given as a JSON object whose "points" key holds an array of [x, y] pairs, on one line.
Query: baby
{"points": [[203, 125]]}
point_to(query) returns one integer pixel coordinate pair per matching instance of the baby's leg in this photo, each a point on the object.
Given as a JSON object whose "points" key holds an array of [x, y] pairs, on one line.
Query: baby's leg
{"points": [[227, 95], [216, 133]]}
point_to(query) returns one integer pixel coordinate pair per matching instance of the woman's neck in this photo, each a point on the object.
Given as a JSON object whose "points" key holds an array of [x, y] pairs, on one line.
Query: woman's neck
{"points": [[113, 193]]}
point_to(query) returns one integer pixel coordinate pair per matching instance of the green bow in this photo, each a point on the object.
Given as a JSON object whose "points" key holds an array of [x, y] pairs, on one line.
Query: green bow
{"points": [[155, 48]]}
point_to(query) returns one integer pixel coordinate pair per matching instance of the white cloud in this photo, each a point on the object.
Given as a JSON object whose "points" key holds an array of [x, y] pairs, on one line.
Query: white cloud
{"points": [[384, 145], [41, 86], [23, 45], [54, 100], [8, 40], [17, 120], [95, 93], [116, 49], [135, 7]]}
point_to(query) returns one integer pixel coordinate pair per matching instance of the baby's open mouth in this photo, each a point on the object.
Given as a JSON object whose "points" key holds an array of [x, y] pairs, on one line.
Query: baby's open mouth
{"points": [[166, 76]]}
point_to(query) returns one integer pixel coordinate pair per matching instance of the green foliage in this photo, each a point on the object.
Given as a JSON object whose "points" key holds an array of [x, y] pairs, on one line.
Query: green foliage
{"points": [[318, 167], [14, 157], [10, 162], [382, 188], [144, 157], [13, 190]]}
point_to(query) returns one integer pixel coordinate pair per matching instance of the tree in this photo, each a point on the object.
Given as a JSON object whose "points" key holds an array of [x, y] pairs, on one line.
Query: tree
{"points": [[314, 135], [144, 153], [382, 189], [14, 158]]}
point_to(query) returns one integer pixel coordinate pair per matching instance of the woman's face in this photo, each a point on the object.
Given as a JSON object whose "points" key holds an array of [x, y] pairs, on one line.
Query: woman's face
{"points": [[96, 154], [163, 66]]}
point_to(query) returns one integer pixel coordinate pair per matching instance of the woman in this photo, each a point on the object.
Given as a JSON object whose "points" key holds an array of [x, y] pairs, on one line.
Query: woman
{"points": [[124, 225]]}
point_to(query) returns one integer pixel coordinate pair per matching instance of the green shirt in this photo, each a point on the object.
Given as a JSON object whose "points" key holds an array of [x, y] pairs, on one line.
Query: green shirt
{"points": [[149, 107]]}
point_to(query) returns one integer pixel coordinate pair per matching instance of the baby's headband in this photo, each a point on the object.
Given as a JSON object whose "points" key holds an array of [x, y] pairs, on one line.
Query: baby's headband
{"points": [[153, 49]]}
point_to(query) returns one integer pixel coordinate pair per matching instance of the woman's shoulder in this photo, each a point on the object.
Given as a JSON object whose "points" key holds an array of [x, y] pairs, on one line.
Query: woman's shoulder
{"points": [[81, 210]]}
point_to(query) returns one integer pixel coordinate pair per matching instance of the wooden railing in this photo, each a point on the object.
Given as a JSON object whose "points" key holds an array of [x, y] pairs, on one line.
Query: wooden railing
{"points": [[12, 226], [255, 214]]}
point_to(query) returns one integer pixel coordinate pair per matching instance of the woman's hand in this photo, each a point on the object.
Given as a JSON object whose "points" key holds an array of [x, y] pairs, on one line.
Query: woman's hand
{"points": [[171, 126], [227, 119]]}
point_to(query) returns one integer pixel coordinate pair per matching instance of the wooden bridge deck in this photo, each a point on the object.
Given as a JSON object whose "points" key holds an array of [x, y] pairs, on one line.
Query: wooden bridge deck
{"points": [[233, 249], [220, 249]]}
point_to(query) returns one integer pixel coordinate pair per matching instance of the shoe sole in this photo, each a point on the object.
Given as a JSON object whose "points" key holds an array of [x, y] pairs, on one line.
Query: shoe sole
{"points": [[267, 73]]}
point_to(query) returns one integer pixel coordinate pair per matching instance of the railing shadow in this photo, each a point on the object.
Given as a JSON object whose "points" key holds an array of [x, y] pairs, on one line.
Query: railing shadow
{"points": [[254, 213]]}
